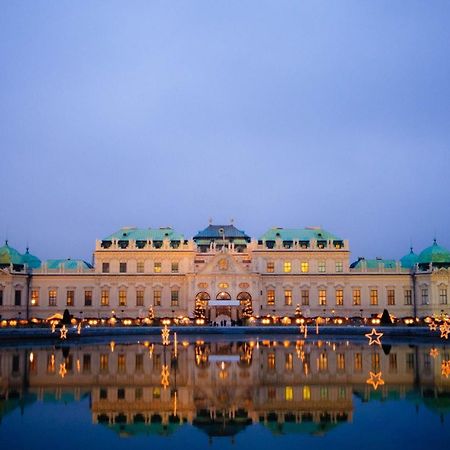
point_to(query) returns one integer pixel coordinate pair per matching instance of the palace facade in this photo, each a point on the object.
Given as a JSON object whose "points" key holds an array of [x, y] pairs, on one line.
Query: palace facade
{"points": [[135, 271]]}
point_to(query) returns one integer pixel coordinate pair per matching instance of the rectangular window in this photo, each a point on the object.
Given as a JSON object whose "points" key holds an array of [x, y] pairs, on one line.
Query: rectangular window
{"points": [[157, 267], [103, 394], [357, 362], [374, 297], [340, 361], [51, 363], [105, 267], [70, 297], [289, 362], [157, 298], [271, 361], [156, 393], [271, 393], [138, 394], [322, 297], [321, 266], [104, 361], [306, 393], [1, 297], [140, 267], [104, 299], [139, 362], [339, 297], [408, 297], [174, 267], [121, 394], [304, 267], [323, 362], [271, 297], [121, 363], [289, 393], [288, 297], [123, 267], [88, 298], [17, 297], [139, 297], [375, 357], [86, 363], [391, 296], [393, 362], [410, 362], [339, 266], [287, 266], [443, 296], [156, 362], [270, 266], [52, 297], [34, 297], [356, 297], [305, 297], [425, 296], [323, 392], [174, 297], [122, 297]]}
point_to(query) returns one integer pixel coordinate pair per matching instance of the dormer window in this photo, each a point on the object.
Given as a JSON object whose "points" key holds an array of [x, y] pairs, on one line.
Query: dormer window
{"points": [[321, 244]]}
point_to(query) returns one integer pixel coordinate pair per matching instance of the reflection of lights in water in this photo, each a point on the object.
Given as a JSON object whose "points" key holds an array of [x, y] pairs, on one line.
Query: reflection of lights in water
{"points": [[112, 346], [434, 352], [63, 332], [445, 368], [62, 370], [375, 380], [31, 357], [78, 365]]}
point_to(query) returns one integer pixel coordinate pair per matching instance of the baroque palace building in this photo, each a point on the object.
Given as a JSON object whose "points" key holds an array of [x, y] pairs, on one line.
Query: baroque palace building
{"points": [[135, 271]]}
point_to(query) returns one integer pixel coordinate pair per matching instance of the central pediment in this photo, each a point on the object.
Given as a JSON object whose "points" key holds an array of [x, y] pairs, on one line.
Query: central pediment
{"points": [[223, 264]]}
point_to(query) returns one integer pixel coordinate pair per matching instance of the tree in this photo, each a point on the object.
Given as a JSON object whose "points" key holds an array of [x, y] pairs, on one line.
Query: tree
{"points": [[298, 312], [66, 317], [247, 310], [151, 314], [385, 318], [199, 311]]}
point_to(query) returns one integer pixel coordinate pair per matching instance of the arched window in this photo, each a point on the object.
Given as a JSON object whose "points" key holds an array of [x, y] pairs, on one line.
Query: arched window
{"points": [[223, 296]]}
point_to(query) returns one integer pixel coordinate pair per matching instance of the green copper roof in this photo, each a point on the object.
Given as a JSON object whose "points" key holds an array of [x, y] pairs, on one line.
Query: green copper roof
{"points": [[298, 234], [145, 234], [221, 231], [31, 261], [408, 261], [434, 254], [67, 264], [374, 263], [9, 255]]}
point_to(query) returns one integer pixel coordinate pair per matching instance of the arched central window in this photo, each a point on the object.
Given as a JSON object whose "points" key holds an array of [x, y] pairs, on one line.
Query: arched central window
{"points": [[203, 297], [223, 296]]}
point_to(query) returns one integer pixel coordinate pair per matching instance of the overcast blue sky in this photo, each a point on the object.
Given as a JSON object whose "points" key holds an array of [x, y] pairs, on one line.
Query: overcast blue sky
{"points": [[274, 113]]}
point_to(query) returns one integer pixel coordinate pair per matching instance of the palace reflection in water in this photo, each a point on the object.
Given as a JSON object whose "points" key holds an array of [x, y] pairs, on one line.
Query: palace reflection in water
{"points": [[222, 387]]}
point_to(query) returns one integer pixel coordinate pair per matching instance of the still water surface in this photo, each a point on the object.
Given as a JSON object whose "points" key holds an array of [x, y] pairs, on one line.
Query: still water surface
{"points": [[224, 394]]}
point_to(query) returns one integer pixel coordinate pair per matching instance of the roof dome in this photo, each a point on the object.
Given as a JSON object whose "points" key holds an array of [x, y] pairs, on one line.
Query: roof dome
{"points": [[9, 255], [30, 260], [434, 254], [408, 261]]}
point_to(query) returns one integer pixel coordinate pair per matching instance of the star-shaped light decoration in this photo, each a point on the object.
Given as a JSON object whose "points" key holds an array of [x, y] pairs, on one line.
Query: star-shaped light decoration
{"points": [[375, 380], [165, 376], [445, 368], [433, 325], [445, 330], [63, 332], [374, 337], [165, 333], [62, 370], [434, 352]]}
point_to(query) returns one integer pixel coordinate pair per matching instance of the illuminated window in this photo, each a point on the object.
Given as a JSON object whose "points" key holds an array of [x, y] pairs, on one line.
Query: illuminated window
{"points": [[289, 393], [391, 296], [157, 298], [323, 362], [88, 298], [425, 296], [122, 267], [174, 267], [304, 267], [157, 267], [289, 362], [121, 363], [271, 297], [34, 297], [443, 296], [339, 266], [340, 361], [288, 297], [323, 392], [52, 297], [339, 297], [356, 297], [139, 297], [322, 297], [174, 297], [287, 266], [271, 361], [305, 297], [223, 285], [408, 296], [140, 267], [375, 359], [357, 362], [70, 295], [321, 266], [122, 297], [306, 393], [104, 362], [374, 297], [156, 393], [270, 266], [105, 267], [104, 299]]}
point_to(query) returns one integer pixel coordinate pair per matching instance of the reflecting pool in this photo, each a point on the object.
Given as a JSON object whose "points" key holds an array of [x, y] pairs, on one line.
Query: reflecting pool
{"points": [[207, 392]]}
